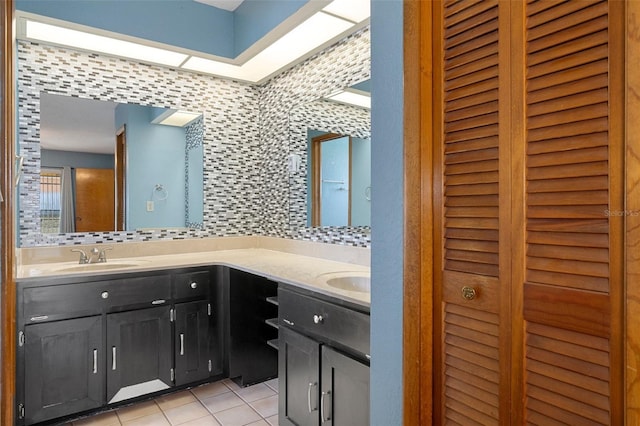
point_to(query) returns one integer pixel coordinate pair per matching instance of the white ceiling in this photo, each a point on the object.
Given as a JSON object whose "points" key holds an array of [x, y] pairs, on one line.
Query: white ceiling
{"points": [[73, 124], [229, 5]]}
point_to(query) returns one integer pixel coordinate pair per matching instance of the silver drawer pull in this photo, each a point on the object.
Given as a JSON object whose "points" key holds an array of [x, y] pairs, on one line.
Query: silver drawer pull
{"points": [[113, 353], [286, 321], [181, 343], [309, 397], [40, 318], [317, 319], [95, 361], [158, 302], [322, 417], [194, 285]]}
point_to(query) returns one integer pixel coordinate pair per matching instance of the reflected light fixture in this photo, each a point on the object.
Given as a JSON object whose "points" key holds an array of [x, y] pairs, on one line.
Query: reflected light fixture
{"points": [[176, 118], [352, 97]]}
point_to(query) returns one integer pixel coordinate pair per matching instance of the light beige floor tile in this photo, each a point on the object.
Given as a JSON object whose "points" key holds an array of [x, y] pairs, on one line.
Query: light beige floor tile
{"points": [[156, 419], [210, 389], [259, 423], [185, 413], [222, 402], [255, 392], [203, 421], [266, 407], [237, 416], [137, 410], [273, 420], [175, 400], [231, 384], [273, 384], [104, 419]]}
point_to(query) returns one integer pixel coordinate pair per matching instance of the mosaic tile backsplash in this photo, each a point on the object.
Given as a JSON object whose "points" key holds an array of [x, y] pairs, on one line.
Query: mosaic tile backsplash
{"points": [[246, 138]]}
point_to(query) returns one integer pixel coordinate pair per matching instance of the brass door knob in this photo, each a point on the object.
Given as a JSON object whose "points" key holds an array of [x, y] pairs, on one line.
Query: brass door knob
{"points": [[469, 293]]}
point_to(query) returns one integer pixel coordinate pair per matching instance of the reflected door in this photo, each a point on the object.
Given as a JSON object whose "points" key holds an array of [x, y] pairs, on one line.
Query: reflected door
{"points": [[331, 180], [95, 210]]}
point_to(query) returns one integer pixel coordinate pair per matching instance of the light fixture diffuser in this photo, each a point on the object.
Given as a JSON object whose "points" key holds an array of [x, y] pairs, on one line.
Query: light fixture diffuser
{"points": [[353, 10], [98, 43], [308, 36]]}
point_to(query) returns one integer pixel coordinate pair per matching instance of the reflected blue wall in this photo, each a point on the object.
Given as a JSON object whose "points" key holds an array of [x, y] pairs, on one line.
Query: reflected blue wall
{"points": [[155, 155], [360, 181]]}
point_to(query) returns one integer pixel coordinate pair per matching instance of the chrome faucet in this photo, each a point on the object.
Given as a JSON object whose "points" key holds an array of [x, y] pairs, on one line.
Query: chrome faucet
{"points": [[101, 256], [83, 256]]}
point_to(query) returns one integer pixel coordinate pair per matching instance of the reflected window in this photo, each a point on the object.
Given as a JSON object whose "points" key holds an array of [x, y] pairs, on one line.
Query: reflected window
{"points": [[50, 195]]}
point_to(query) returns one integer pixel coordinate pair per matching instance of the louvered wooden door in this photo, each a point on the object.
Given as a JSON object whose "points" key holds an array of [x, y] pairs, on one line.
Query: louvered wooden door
{"points": [[528, 169]]}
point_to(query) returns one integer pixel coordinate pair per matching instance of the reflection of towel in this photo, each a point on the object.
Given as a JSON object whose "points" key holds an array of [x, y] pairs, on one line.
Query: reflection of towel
{"points": [[67, 207]]}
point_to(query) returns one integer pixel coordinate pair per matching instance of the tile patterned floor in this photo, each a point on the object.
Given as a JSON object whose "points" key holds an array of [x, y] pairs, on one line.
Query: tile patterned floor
{"points": [[221, 403]]}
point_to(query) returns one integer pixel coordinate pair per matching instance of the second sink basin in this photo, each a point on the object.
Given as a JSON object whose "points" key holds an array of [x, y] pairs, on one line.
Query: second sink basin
{"points": [[359, 282]]}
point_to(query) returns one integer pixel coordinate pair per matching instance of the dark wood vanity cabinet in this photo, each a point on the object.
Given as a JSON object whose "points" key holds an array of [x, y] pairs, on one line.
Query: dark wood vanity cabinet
{"points": [[64, 368], [252, 316], [322, 361], [192, 351], [84, 345], [138, 352]]}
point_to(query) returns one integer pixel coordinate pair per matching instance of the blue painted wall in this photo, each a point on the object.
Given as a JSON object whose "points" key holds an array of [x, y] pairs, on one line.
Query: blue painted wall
{"points": [[387, 212], [155, 155], [54, 158]]}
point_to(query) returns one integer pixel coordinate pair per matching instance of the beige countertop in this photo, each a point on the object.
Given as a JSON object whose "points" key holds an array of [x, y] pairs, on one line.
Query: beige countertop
{"points": [[308, 272]]}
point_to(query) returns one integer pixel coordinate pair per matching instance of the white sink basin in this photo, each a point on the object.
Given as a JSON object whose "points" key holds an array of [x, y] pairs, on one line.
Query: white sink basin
{"points": [[88, 267], [359, 282]]}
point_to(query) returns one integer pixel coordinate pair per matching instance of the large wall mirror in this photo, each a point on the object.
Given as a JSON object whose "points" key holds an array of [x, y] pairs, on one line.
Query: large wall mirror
{"points": [[108, 166], [330, 161]]}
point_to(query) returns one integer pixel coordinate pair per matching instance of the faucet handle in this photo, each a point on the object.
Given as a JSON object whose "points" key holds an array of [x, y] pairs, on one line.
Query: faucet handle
{"points": [[83, 256], [103, 257]]}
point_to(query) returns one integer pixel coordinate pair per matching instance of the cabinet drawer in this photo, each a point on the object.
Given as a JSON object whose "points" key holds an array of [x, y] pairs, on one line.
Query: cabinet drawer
{"points": [[64, 301], [324, 320], [140, 292], [191, 284]]}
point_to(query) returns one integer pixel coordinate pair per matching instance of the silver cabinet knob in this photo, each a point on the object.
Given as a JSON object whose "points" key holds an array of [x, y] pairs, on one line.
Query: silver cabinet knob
{"points": [[318, 319], [194, 284], [105, 295]]}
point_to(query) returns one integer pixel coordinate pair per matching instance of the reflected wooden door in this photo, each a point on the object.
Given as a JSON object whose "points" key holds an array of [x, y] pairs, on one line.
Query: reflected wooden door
{"points": [[95, 207]]}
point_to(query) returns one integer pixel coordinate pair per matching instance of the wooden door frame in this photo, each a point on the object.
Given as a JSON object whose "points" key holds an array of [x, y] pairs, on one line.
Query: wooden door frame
{"points": [[418, 215], [418, 309], [632, 204], [120, 177], [316, 176], [7, 210]]}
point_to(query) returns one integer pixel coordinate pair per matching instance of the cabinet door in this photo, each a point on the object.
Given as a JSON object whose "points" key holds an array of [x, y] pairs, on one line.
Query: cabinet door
{"points": [[138, 353], [64, 363], [298, 379], [344, 398], [192, 342]]}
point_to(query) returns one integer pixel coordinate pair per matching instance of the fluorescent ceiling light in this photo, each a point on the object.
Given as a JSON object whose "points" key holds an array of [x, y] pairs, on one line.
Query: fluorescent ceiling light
{"points": [[353, 10], [176, 118], [352, 98], [309, 35], [97, 43]]}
